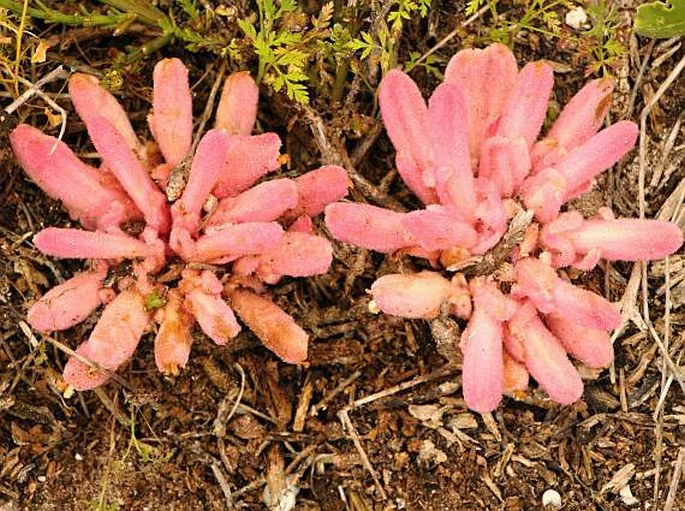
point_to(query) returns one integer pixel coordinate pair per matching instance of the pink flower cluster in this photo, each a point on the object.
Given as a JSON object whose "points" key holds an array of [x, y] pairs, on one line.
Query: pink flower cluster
{"points": [[159, 248], [473, 157]]}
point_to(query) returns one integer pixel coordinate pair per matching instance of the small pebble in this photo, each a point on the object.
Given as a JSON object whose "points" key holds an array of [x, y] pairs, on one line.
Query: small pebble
{"points": [[576, 18], [551, 499], [78, 457], [42, 479]]}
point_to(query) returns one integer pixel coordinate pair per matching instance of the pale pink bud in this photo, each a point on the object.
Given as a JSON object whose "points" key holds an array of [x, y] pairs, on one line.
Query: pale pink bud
{"points": [[174, 337], [112, 342], [81, 188], [435, 229], [129, 171], [454, 182], [90, 100], [505, 163], [486, 78], [591, 346], [215, 317], [579, 120], [297, 255], [526, 106], [237, 110], [318, 188], [264, 202], [75, 243], [416, 295], [405, 117], [368, 226], [229, 243], [171, 119], [69, 303], [248, 159], [545, 357], [272, 325]]}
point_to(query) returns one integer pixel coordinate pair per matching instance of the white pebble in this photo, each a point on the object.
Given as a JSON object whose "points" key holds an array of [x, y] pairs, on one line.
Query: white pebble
{"points": [[78, 457], [576, 18], [551, 499]]}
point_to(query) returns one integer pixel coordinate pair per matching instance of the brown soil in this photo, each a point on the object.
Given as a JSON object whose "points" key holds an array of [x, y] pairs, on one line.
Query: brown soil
{"points": [[291, 430]]}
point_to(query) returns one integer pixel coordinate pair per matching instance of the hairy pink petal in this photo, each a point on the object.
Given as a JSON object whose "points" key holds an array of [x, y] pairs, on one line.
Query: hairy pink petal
{"points": [[249, 158], [481, 343], [627, 239], [486, 78], [597, 154], [515, 375], [237, 110], [231, 242], [297, 255], [591, 346], [526, 106], [579, 120], [454, 183], [550, 294], [367, 226], [75, 243], [505, 163], [264, 202], [215, 317], [318, 188], [124, 164], [90, 100], [405, 116], [174, 337], [545, 357], [416, 295], [69, 303], [435, 229], [171, 119], [59, 173], [272, 325], [204, 172], [112, 342]]}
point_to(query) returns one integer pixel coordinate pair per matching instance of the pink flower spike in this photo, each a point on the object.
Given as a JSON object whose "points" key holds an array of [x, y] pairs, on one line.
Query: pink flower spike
{"points": [[545, 357], [597, 154], [486, 78], [591, 346], [454, 182], [78, 244], [215, 317], [405, 116], [174, 337], [264, 202], [318, 188], [297, 255], [130, 172], [171, 119], [625, 239], [237, 110], [368, 226], [204, 172], [578, 122], [69, 303], [435, 229], [515, 375], [249, 158], [90, 100], [505, 163], [229, 243], [525, 109], [272, 325], [112, 342], [416, 295], [481, 343], [60, 174]]}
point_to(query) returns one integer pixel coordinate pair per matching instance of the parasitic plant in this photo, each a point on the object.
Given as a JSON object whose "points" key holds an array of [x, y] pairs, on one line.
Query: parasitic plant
{"points": [[493, 195], [175, 235]]}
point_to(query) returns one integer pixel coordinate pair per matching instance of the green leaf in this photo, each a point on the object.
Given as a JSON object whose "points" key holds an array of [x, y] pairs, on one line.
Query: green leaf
{"points": [[661, 20]]}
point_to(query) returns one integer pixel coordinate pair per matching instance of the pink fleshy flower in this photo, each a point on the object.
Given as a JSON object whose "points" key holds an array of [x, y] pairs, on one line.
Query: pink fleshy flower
{"points": [[474, 156], [244, 227]]}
